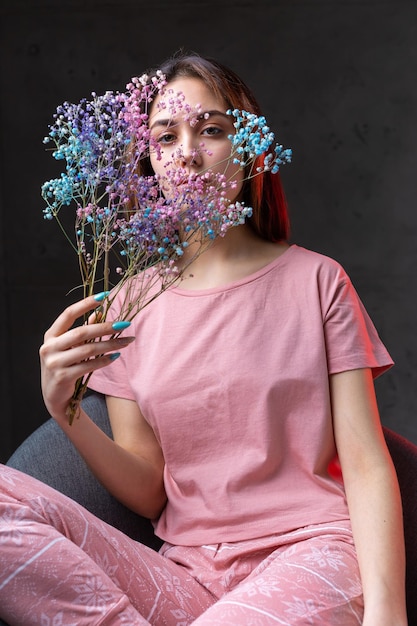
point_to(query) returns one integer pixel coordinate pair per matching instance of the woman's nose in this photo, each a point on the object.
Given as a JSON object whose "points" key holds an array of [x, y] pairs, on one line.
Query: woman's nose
{"points": [[189, 155]]}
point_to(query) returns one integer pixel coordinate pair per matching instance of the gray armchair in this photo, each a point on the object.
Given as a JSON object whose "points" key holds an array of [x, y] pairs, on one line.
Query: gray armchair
{"points": [[48, 455]]}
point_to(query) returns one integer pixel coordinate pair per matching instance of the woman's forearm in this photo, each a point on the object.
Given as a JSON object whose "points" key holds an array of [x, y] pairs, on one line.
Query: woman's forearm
{"points": [[376, 514], [373, 497], [128, 476]]}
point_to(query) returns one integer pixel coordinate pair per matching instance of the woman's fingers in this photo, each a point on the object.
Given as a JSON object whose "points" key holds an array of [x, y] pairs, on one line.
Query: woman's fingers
{"points": [[65, 345], [63, 335], [70, 352], [55, 356], [62, 378], [73, 312], [81, 334]]}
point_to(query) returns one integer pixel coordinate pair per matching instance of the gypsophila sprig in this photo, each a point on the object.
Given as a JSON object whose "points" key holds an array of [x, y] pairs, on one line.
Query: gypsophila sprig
{"points": [[146, 222], [254, 138]]}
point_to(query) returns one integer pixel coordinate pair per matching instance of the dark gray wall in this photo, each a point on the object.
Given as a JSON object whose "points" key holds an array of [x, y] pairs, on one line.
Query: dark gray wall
{"points": [[338, 82]]}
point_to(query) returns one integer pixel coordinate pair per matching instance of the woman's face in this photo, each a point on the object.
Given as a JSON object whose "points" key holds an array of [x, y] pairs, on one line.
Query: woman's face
{"points": [[195, 143]]}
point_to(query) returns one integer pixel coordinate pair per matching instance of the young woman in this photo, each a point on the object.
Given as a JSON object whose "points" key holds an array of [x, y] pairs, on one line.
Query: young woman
{"points": [[233, 395]]}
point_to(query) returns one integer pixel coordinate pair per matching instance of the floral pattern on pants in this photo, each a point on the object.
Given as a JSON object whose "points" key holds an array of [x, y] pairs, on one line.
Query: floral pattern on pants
{"points": [[62, 566]]}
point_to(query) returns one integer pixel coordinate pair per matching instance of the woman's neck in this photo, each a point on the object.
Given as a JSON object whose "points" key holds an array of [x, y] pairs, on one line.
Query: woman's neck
{"points": [[238, 254]]}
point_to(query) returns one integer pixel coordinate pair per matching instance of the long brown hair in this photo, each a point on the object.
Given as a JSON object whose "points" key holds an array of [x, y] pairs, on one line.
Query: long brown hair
{"points": [[263, 192]]}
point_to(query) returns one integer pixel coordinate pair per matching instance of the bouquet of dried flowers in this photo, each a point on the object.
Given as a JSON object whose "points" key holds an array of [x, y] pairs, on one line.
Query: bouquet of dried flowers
{"points": [[122, 214]]}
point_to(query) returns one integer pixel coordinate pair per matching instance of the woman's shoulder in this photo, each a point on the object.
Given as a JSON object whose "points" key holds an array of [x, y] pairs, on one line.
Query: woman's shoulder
{"points": [[310, 260]]}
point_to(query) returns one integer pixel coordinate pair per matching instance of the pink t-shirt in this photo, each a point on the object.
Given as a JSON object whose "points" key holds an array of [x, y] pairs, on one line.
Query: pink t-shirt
{"points": [[234, 382]]}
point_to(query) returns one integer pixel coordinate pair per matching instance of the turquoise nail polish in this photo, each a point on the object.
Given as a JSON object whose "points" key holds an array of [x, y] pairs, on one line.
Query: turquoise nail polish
{"points": [[99, 297], [120, 325], [114, 356]]}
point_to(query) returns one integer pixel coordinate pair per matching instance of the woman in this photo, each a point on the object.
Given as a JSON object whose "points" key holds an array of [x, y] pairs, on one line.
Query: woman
{"points": [[233, 396]]}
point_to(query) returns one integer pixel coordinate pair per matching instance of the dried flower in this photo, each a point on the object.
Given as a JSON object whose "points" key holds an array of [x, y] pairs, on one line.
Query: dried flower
{"points": [[119, 212]]}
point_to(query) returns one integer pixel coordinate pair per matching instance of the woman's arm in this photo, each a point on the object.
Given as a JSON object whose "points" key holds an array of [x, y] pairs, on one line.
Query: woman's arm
{"points": [[131, 466], [373, 497]]}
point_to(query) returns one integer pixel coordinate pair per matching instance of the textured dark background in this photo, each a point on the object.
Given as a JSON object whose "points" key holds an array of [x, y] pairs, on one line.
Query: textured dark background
{"points": [[337, 80]]}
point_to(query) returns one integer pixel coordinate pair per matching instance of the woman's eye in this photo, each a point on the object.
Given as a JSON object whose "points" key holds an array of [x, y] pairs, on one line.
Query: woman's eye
{"points": [[166, 138], [212, 130]]}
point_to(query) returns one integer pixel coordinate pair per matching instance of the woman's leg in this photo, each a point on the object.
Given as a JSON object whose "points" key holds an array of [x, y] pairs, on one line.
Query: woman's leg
{"points": [[314, 581], [59, 564]]}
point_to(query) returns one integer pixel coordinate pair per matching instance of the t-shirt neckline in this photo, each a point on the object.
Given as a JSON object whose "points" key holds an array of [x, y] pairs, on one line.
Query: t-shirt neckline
{"points": [[176, 289]]}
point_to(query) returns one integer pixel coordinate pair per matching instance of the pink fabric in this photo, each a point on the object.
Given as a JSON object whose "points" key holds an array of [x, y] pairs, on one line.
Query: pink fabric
{"points": [[61, 565], [234, 382]]}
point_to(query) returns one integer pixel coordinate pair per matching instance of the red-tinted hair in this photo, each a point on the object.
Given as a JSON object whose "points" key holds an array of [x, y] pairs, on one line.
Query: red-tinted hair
{"points": [[263, 192]]}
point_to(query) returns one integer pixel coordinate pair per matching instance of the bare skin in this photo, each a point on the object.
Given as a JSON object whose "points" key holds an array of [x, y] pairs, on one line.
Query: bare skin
{"points": [[373, 497]]}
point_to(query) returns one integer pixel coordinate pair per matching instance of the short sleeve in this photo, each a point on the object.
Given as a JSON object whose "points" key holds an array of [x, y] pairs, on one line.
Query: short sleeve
{"points": [[352, 341]]}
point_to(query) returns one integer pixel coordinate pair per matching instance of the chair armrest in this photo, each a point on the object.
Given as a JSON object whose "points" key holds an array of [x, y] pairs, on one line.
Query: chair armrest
{"points": [[404, 456]]}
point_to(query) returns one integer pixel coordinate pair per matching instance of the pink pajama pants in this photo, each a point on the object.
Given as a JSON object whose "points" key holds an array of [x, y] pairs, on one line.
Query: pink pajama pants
{"points": [[61, 566]]}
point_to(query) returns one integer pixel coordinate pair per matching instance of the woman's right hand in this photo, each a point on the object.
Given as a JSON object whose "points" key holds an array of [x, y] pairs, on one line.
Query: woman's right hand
{"points": [[69, 353]]}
